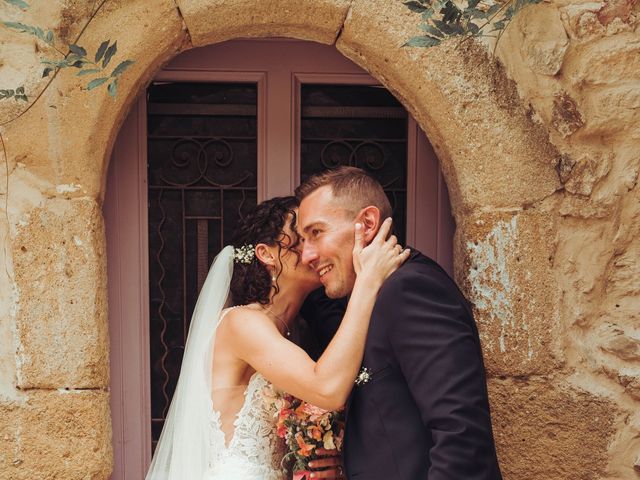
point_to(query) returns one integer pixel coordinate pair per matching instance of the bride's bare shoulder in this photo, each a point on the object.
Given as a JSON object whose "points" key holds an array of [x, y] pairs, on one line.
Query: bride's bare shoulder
{"points": [[245, 318]]}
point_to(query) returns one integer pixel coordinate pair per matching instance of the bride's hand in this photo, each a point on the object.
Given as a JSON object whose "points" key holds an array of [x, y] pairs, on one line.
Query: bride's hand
{"points": [[381, 257]]}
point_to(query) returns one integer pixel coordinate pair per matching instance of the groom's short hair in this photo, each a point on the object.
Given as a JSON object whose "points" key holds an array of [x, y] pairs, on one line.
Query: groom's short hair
{"points": [[354, 187]]}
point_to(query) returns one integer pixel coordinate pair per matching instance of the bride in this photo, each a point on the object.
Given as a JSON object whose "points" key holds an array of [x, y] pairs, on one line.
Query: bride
{"points": [[218, 426]]}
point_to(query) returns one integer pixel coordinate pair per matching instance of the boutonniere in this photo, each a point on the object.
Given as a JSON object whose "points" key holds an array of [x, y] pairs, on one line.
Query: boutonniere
{"points": [[363, 377]]}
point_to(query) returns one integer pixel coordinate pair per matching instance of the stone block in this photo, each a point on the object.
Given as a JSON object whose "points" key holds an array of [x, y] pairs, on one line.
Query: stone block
{"points": [[586, 172], [491, 151], [56, 435], [60, 273], [506, 271], [544, 40], [213, 21], [605, 61], [547, 431]]}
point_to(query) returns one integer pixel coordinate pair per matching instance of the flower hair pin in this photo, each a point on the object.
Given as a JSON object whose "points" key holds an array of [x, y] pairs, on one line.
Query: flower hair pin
{"points": [[363, 377], [244, 254]]}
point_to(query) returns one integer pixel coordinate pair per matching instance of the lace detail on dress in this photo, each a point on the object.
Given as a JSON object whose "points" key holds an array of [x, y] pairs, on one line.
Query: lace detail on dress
{"points": [[254, 449]]}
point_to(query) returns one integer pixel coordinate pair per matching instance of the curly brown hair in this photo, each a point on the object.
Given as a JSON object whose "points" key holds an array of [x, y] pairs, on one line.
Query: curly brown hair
{"points": [[251, 282]]}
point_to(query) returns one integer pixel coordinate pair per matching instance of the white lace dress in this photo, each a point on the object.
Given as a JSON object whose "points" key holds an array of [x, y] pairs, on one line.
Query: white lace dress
{"points": [[255, 451]]}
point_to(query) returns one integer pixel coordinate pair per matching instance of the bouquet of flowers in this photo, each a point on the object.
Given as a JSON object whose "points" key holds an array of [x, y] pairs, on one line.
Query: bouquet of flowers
{"points": [[305, 429]]}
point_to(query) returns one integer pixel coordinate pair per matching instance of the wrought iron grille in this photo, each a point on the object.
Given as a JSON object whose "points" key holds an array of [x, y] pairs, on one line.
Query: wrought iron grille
{"points": [[360, 126], [202, 171]]}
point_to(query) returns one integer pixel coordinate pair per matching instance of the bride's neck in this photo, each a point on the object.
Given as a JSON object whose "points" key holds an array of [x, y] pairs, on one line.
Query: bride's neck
{"points": [[286, 303]]}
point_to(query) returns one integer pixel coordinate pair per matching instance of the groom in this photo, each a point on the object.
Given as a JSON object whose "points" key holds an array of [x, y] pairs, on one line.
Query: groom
{"points": [[420, 407]]}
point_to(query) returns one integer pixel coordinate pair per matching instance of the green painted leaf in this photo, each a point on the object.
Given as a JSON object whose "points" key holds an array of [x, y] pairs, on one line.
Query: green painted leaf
{"points": [[111, 51], [432, 31], [415, 6], [18, 3], [20, 91], [21, 97], [78, 50], [88, 71], [427, 14], [78, 64], [473, 28], [424, 41], [473, 3], [101, 49], [121, 68], [493, 9], [19, 26], [475, 13], [46, 72], [113, 88], [96, 82], [446, 28], [49, 39], [56, 63], [450, 13], [499, 25], [38, 32]]}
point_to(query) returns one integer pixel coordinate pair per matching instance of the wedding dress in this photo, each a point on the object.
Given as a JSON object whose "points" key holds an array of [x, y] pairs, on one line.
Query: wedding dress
{"points": [[192, 445], [255, 452]]}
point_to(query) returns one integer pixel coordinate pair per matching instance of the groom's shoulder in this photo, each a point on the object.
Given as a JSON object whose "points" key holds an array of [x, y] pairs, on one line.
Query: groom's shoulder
{"points": [[418, 272], [418, 266]]}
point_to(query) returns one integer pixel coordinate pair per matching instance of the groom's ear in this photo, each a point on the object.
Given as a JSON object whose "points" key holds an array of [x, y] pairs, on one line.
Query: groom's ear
{"points": [[371, 221]]}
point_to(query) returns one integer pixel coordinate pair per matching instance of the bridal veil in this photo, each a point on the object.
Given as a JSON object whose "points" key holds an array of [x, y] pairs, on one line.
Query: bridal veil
{"points": [[182, 451]]}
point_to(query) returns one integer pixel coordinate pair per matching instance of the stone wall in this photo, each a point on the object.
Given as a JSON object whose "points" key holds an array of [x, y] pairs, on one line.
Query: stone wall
{"points": [[540, 152]]}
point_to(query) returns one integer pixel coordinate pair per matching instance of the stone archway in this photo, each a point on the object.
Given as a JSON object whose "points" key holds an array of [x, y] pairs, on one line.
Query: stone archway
{"points": [[499, 166]]}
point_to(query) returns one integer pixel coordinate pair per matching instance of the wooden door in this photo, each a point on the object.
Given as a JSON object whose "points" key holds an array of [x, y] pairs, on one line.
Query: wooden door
{"points": [[221, 128]]}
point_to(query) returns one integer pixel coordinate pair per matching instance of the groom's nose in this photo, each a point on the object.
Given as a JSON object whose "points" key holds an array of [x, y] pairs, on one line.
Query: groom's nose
{"points": [[309, 254]]}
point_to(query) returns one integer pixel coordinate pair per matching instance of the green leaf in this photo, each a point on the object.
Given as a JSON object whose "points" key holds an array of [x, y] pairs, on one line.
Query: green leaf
{"points": [[450, 13], [493, 9], [474, 13], [473, 28], [21, 97], [18, 3], [427, 14], [88, 71], [473, 3], [78, 64], [448, 29], [49, 39], [78, 50], [121, 68], [46, 72], [38, 32], [424, 41], [101, 49], [19, 26], [56, 63], [96, 82], [113, 88], [20, 91], [432, 31], [499, 25], [111, 51], [415, 6]]}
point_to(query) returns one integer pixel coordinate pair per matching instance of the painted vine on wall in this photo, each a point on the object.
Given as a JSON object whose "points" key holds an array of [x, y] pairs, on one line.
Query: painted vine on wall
{"points": [[442, 19], [75, 57]]}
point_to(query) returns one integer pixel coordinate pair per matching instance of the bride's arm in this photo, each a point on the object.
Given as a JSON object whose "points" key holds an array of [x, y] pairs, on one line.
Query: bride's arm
{"points": [[327, 382]]}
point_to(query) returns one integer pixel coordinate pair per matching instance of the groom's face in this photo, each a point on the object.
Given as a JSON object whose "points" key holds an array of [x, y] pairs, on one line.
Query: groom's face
{"points": [[328, 231]]}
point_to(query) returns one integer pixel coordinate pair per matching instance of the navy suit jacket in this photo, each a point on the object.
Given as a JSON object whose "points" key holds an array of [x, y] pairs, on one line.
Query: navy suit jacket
{"points": [[424, 412]]}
